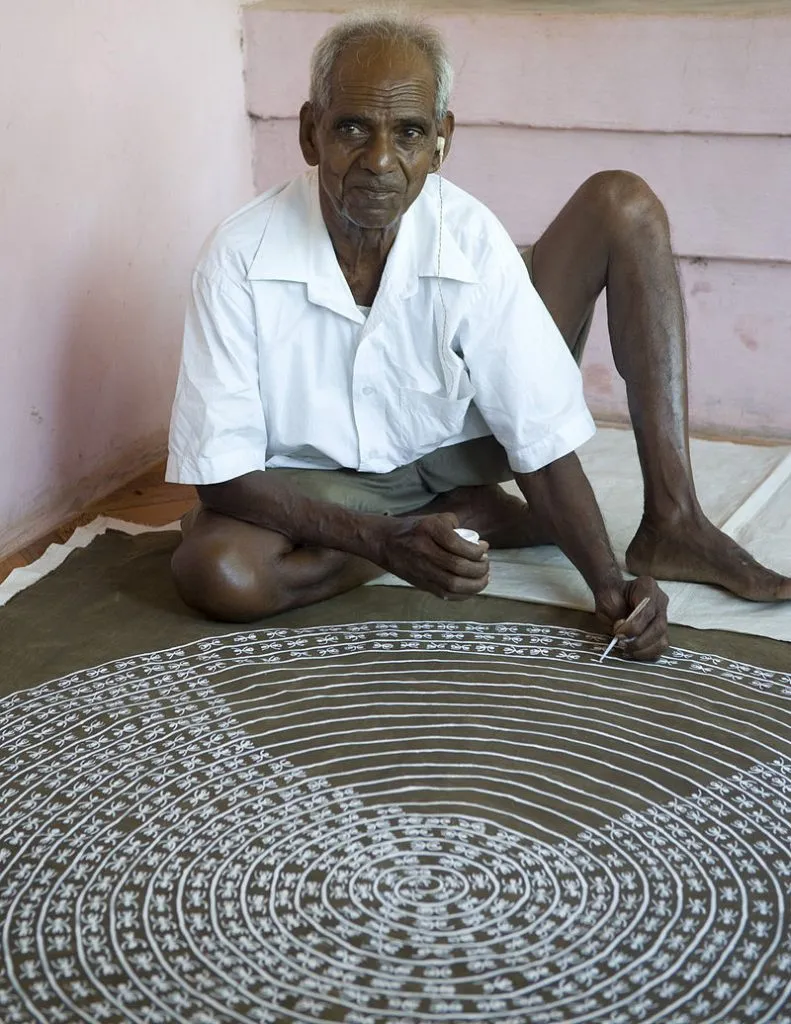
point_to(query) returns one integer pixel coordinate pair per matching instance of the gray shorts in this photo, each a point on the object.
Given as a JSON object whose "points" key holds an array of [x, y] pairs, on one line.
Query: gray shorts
{"points": [[408, 488]]}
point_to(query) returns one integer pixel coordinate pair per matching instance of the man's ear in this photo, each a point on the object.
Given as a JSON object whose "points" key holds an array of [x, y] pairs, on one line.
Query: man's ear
{"points": [[444, 131], [307, 135]]}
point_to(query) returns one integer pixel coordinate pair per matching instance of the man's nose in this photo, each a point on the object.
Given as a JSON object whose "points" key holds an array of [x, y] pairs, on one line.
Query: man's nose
{"points": [[379, 155]]}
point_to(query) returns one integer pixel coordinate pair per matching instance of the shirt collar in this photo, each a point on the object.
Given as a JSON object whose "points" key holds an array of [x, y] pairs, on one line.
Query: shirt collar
{"points": [[296, 246], [425, 245]]}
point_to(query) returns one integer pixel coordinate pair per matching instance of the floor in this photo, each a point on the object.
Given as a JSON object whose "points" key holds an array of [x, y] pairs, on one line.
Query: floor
{"points": [[147, 499]]}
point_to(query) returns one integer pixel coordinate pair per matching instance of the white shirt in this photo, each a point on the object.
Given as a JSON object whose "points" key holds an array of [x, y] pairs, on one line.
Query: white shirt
{"points": [[281, 368]]}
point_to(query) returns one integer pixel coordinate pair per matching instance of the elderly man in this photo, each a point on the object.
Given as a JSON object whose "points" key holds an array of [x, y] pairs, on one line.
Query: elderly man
{"points": [[366, 359]]}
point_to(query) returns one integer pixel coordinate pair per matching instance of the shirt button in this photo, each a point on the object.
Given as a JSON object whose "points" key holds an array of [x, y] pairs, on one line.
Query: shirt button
{"points": [[368, 391]]}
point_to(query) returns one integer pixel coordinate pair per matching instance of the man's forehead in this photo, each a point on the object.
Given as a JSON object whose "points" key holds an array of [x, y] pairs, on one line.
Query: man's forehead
{"points": [[392, 66]]}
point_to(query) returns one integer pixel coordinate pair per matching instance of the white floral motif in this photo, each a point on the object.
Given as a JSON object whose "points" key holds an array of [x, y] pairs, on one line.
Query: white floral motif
{"points": [[178, 843]]}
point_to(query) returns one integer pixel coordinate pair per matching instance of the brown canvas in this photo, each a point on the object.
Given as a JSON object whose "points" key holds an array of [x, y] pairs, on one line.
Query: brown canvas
{"points": [[382, 809]]}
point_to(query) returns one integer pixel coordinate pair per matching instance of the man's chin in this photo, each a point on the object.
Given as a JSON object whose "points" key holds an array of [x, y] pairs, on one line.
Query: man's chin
{"points": [[378, 225], [374, 216], [375, 208]]}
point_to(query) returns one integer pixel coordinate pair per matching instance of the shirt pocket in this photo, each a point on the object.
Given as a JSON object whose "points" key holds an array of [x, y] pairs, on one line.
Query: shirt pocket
{"points": [[426, 421]]}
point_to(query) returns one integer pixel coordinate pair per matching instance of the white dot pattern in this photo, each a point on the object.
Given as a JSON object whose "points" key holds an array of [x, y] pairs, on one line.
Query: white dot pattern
{"points": [[398, 823]]}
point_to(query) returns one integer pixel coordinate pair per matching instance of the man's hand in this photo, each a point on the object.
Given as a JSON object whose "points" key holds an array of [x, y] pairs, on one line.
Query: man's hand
{"points": [[644, 637], [426, 552], [562, 498]]}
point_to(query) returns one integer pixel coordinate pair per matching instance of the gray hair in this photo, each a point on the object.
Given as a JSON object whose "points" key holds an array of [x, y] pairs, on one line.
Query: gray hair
{"points": [[389, 26]]}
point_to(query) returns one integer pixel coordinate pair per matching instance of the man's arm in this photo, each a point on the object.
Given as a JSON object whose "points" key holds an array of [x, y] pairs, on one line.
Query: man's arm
{"points": [[423, 550], [560, 495]]}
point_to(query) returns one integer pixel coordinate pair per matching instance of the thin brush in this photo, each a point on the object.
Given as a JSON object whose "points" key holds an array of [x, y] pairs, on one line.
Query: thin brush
{"points": [[615, 639]]}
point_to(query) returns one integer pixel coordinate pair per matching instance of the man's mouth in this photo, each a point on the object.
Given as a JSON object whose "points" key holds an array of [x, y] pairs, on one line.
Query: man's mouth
{"points": [[375, 190]]}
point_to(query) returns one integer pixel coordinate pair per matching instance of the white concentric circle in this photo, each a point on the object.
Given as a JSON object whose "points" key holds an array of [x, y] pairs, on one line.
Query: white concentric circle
{"points": [[398, 824]]}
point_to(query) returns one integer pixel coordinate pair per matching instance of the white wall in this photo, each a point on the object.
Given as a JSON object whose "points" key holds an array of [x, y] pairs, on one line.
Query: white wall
{"points": [[123, 140]]}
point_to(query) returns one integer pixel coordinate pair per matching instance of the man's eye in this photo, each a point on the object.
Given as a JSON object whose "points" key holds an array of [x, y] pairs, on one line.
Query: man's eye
{"points": [[351, 131], [412, 134]]}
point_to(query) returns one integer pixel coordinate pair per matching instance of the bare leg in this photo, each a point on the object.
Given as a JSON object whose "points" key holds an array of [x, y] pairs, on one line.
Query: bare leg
{"points": [[614, 234], [235, 572], [503, 520]]}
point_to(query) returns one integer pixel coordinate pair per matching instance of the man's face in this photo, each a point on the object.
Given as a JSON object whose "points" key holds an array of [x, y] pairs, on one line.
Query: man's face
{"points": [[377, 141]]}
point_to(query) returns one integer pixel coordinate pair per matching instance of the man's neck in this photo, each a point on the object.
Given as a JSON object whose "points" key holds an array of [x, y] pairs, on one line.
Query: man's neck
{"points": [[361, 253]]}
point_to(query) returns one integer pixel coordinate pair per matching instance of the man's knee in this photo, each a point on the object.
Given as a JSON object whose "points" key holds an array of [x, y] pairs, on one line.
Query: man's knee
{"points": [[626, 202], [214, 577]]}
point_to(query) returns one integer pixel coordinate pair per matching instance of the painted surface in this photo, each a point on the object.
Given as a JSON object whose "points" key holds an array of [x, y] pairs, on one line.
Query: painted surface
{"points": [[124, 140], [753, 8], [649, 73], [739, 319], [717, 206], [685, 102]]}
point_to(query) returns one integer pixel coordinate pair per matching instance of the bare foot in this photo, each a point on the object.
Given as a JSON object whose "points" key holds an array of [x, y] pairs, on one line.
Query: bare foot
{"points": [[501, 519], [695, 551]]}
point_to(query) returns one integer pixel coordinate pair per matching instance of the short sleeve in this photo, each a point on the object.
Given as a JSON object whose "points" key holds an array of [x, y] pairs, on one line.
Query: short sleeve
{"points": [[527, 386], [217, 429]]}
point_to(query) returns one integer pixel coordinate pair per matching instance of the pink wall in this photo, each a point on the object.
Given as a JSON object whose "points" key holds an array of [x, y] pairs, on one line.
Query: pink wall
{"points": [[698, 105], [123, 139]]}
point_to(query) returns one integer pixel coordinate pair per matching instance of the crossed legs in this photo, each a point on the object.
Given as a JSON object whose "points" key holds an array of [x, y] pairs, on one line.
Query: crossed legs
{"points": [[233, 571], [613, 235]]}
